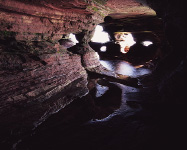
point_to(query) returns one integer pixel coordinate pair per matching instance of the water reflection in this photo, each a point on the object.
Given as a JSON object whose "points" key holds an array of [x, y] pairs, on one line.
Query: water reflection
{"points": [[106, 98], [101, 90], [103, 99], [124, 68]]}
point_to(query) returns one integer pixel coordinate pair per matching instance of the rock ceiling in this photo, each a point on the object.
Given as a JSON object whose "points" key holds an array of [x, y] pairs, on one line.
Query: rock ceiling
{"points": [[36, 74], [39, 8], [49, 19]]}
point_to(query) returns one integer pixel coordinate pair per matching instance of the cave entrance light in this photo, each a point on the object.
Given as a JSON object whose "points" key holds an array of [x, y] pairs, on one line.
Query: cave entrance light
{"points": [[103, 49], [147, 43], [125, 40], [100, 36], [73, 38]]}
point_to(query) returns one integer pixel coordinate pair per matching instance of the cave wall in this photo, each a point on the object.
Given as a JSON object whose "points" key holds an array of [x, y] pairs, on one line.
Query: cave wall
{"points": [[38, 76], [36, 73], [171, 72], [33, 88], [44, 20]]}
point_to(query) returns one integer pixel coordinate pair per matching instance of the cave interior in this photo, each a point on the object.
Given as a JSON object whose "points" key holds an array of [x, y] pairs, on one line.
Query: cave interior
{"points": [[92, 74]]}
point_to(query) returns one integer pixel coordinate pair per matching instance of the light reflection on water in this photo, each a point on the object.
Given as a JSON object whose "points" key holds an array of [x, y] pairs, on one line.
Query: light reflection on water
{"points": [[124, 68], [125, 90], [101, 90]]}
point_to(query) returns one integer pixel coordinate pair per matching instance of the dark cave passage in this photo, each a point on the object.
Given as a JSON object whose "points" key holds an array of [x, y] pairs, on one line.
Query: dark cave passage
{"points": [[112, 116], [91, 74]]}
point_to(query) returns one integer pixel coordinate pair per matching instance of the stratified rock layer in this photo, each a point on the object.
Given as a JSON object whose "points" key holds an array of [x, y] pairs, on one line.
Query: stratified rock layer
{"points": [[48, 20], [38, 77], [34, 87]]}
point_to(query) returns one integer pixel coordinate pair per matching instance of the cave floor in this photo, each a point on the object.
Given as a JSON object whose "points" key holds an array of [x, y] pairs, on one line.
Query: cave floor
{"points": [[112, 116]]}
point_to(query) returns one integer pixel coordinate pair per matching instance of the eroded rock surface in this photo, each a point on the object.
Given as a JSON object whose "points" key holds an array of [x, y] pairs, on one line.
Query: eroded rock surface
{"points": [[38, 77], [34, 87]]}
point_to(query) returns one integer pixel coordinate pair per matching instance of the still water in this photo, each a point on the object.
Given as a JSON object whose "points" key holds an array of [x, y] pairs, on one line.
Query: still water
{"points": [[124, 68], [105, 120]]}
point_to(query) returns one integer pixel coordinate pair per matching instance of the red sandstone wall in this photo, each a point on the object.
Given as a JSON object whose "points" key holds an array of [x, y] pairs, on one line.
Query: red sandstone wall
{"points": [[44, 20], [26, 80], [31, 89], [38, 81]]}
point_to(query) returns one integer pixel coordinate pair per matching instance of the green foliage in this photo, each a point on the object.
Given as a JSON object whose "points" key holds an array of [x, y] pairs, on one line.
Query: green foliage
{"points": [[95, 9], [98, 8], [102, 2]]}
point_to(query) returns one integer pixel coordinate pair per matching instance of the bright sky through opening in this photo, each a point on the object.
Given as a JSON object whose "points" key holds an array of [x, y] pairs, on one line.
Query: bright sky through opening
{"points": [[73, 38], [147, 43], [100, 36]]}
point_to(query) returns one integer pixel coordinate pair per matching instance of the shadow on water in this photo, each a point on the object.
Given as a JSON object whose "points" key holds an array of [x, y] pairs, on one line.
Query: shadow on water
{"points": [[103, 121], [112, 116], [103, 100], [72, 125]]}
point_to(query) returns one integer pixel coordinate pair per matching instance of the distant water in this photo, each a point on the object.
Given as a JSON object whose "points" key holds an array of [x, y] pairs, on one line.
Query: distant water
{"points": [[124, 68]]}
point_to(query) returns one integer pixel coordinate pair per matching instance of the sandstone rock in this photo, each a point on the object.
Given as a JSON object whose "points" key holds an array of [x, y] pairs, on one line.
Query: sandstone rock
{"points": [[38, 77]]}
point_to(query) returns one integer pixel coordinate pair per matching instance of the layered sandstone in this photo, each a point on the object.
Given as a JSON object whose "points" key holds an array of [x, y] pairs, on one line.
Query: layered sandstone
{"points": [[38, 77]]}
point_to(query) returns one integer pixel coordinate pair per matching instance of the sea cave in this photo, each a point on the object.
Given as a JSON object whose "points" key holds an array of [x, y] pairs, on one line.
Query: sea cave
{"points": [[92, 74]]}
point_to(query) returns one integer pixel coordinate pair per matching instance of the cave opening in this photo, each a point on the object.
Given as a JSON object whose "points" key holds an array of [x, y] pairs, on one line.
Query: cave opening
{"points": [[57, 93], [129, 45]]}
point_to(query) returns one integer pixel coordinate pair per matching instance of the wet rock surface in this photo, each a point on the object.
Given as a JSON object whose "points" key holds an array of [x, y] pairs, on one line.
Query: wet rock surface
{"points": [[38, 78], [36, 85], [111, 121]]}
